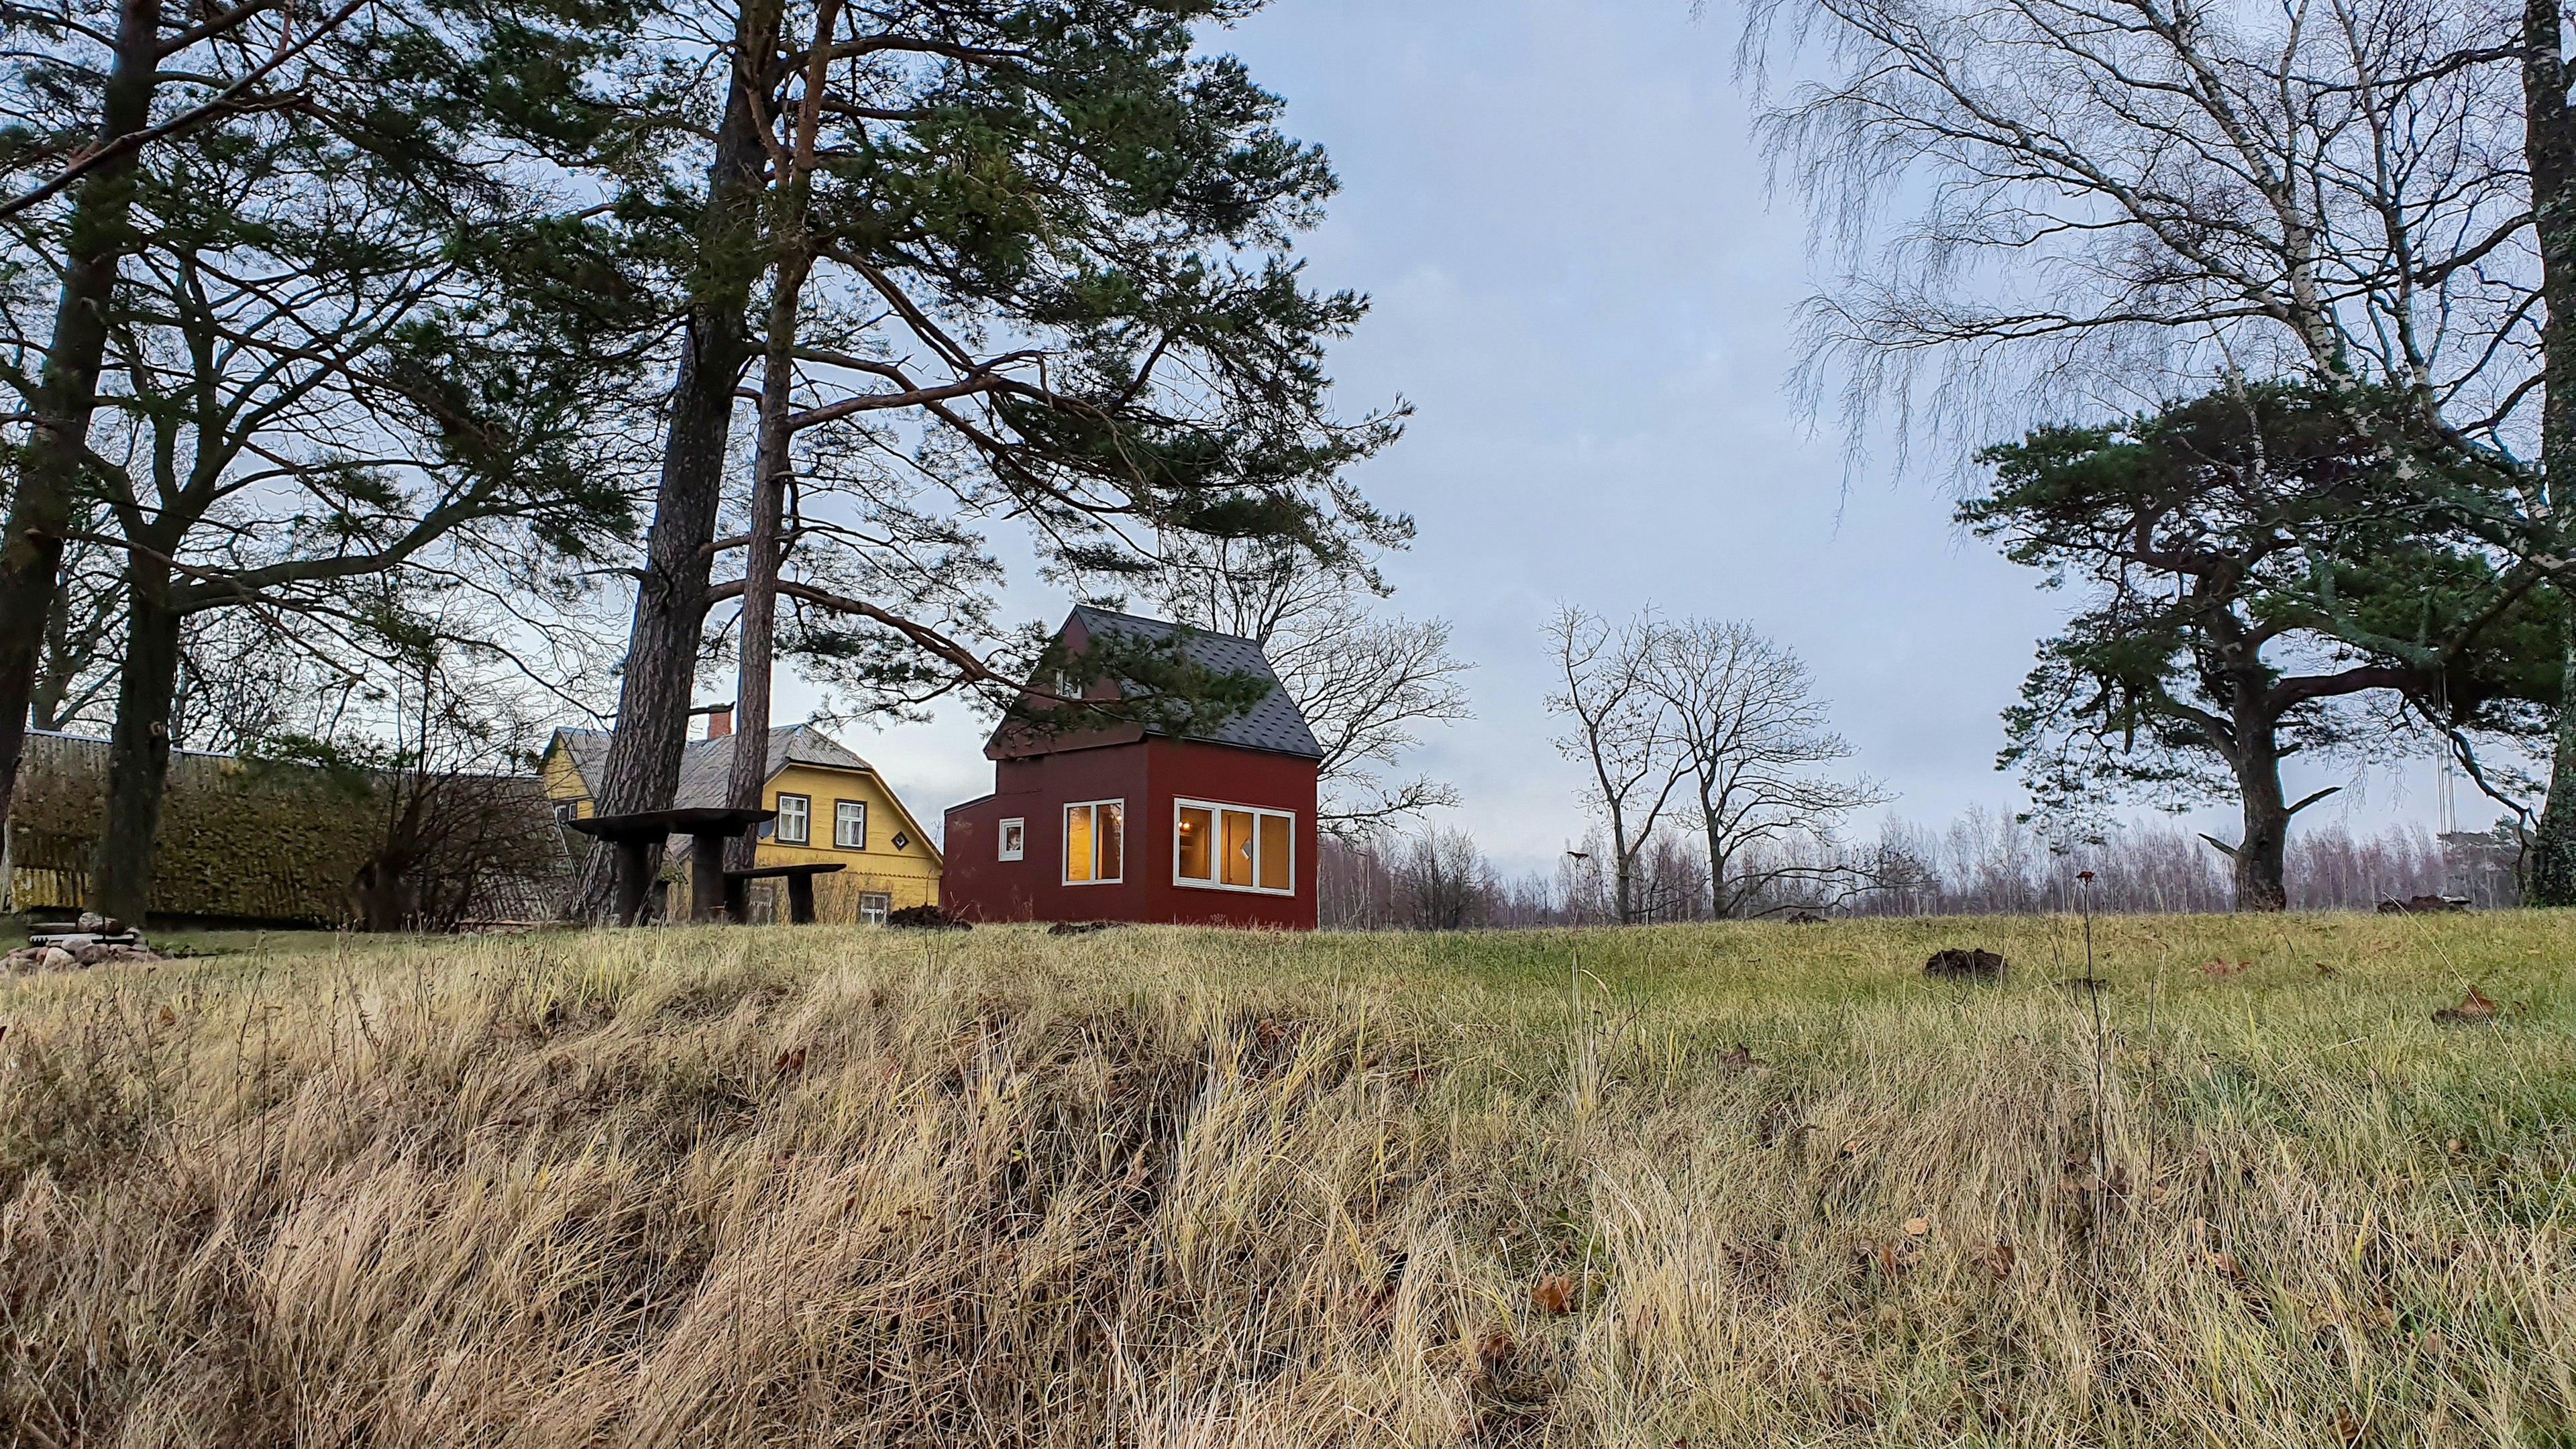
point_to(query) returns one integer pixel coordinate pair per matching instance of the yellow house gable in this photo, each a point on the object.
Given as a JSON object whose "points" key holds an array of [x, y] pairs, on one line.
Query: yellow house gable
{"points": [[834, 814]]}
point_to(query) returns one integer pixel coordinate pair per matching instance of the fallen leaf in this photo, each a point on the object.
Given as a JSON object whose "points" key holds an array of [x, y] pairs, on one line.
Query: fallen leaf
{"points": [[2474, 1007], [2000, 1261], [1737, 1059], [1851, 1148], [2225, 1263], [1917, 1227], [791, 1061], [1495, 1349], [169, 1017], [2326, 971], [1553, 1293]]}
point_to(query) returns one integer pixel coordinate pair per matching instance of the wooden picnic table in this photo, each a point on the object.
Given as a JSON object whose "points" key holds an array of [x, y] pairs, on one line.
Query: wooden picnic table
{"points": [[800, 888], [633, 835]]}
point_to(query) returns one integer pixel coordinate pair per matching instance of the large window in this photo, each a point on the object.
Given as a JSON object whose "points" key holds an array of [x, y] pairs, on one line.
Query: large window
{"points": [[795, 819], [1095, 843], [850, 824], [1233, 848]]}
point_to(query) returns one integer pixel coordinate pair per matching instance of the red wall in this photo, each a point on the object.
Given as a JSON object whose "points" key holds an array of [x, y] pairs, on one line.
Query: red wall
{"points": [[1147, 774]]}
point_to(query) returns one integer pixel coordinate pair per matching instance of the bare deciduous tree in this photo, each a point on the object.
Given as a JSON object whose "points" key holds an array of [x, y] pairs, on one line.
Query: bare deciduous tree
{"points": [[1366, 682], [1744, 715], [1623, 733], [2140, 199]]}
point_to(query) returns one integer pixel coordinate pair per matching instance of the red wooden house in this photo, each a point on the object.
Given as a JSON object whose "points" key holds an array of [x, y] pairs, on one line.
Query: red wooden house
{"points": [[1133, 824]]}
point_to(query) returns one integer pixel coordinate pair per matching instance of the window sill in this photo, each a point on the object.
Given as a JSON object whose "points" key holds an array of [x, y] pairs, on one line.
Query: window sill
{"points": [[1185, 883]]}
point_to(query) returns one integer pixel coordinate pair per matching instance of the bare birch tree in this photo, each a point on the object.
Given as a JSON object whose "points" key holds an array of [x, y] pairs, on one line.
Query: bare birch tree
{"points": [[1745, 717], [2054, 207], [1622, 733]]}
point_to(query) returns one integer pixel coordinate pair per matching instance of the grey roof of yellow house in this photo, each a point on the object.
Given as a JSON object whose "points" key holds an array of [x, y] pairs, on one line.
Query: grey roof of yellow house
{"points": [[1275, 724], [704, 764]]}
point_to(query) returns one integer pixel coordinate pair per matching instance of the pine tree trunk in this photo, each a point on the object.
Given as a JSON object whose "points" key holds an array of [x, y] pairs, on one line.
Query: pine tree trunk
{"points": [[758, 625], [31, 550], [2549, 148], [2263, 847], [2549, 876], [138, 753], [643, 767]]}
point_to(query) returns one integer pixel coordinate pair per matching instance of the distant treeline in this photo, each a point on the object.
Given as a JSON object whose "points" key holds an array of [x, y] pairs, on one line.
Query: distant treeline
{"points": [[1982, 863]]}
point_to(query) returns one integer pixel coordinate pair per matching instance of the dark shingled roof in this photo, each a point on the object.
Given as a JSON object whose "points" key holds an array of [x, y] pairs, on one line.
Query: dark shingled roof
{"points": [[1275, 724], [705, 763]]}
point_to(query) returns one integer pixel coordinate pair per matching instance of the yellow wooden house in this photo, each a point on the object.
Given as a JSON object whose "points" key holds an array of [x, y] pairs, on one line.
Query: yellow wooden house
{"points": [[833, 807]]}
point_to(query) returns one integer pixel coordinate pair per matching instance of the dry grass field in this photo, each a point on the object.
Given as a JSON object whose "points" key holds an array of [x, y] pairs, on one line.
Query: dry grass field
{"points": [[1681, 1186]]}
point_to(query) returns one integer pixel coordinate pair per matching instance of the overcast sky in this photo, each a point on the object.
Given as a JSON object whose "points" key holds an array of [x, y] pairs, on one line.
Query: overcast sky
{"points": [[1583, 288]]}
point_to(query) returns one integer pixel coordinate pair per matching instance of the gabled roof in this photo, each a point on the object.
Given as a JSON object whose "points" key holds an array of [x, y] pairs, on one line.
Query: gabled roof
{"points": [[704, 764], [1275, 724]]}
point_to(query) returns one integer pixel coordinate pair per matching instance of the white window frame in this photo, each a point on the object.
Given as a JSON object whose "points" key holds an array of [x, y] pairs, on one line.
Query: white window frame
{"points": [[1064, 867], [873, 907], [1217, 809], [1002, 838], [837, 807], [804, 821]]}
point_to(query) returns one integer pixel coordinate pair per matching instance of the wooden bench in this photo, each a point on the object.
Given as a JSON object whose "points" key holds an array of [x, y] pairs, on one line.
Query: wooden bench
{"points": [[800, 889], [634, 835]]}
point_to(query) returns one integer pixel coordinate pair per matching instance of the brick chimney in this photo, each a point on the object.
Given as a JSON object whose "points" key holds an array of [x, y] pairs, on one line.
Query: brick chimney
{"points": [[719, 721]]}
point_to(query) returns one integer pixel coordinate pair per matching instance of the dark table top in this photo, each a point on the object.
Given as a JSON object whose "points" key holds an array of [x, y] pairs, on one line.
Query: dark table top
{"points": [[772, 872], [646, 824]]}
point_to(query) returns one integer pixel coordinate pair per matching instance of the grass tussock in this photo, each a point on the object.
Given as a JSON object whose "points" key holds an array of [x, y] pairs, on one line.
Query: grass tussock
{"points": [[1703, 1185]]}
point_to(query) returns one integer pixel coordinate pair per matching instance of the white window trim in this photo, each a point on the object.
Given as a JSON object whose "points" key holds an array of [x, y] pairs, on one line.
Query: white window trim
{"points": [[1002, 839], [779, 833], [1188, 882], [836, 825], [1064, 868], [884, 906]]}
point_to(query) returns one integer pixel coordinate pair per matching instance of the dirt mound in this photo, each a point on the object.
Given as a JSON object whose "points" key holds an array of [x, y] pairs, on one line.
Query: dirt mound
{"points": [[1971, 964], [925, 918], [1081, 928], [2424, 906]]}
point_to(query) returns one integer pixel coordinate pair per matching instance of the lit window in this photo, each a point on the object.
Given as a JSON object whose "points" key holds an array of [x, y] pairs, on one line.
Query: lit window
{"points": [[1234, 847], [1234, 865], [1015, 839], [1095, 842], [850, 824], [1192, 856], [873, 906], [795, 819]]}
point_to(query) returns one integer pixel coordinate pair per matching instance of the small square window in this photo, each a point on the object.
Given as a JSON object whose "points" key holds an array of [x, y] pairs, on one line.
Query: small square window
{"points": [[850, 825], [1015, 839], [795, 819], [873, 906]]}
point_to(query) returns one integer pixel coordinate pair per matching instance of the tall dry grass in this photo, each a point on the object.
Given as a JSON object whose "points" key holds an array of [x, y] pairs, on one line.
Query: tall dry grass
{"points": [[1709, 1185]]}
